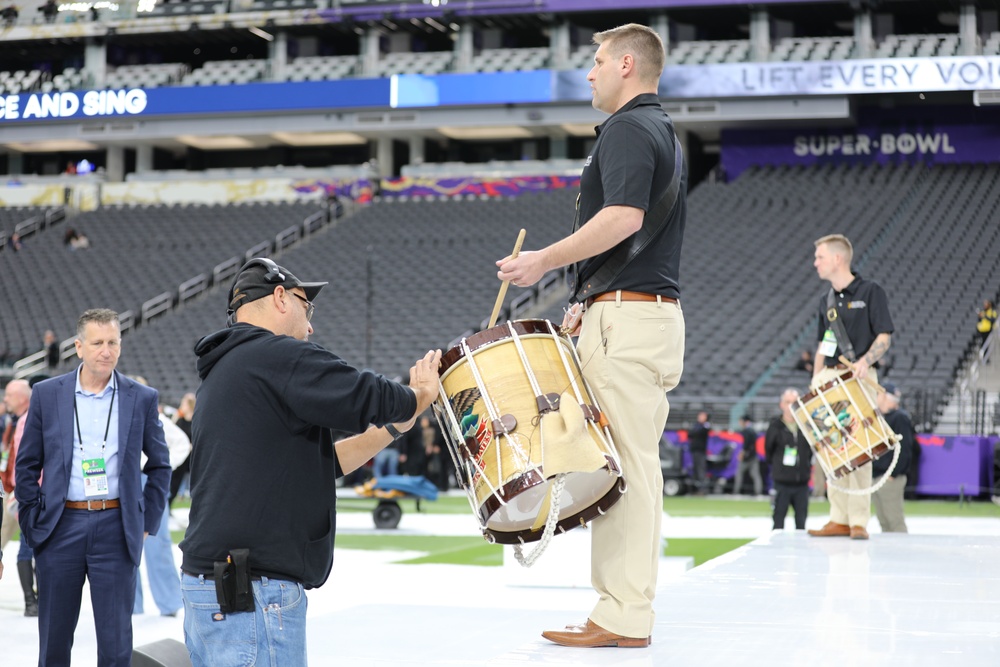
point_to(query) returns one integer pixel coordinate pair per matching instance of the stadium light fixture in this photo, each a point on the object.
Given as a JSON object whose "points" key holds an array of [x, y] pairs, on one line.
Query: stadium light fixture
{"points": [[985, 98], [320, 138], [215, 143], [491, 132], [52, 146], [580, 129]]}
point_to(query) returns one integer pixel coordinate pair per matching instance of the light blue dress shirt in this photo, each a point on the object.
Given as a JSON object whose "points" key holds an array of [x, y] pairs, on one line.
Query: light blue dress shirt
{"points": [[95, 414]]}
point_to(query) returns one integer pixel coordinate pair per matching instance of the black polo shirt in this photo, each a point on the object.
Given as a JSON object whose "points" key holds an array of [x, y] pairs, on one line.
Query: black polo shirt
{"points": [[864, 309], [631, 165]]}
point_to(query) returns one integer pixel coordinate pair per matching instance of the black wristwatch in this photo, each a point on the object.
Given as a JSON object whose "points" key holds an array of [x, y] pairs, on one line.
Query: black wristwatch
{"points": [[393, 431]]}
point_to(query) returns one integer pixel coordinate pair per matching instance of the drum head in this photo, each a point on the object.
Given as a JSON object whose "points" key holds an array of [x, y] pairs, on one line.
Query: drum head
{"points": [[584, 497]]}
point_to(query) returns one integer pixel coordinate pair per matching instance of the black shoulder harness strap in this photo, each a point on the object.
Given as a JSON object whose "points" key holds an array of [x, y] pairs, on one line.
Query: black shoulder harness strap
{"points": [[837, 325], [652, 224]]}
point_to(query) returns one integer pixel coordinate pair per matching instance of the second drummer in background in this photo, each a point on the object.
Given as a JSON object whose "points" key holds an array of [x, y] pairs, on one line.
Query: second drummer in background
{"points": [[859, 310]]}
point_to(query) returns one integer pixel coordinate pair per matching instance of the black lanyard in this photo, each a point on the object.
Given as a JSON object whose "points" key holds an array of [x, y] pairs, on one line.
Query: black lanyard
{"points": [[107, 427]]}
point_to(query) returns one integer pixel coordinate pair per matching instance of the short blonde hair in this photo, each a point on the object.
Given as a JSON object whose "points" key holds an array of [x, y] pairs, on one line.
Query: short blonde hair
{"points": [[840, 244], [642, 42]]}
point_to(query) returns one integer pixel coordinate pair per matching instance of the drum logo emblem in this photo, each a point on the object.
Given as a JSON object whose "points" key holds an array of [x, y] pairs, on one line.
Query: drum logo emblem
{"points": [[475, 429], [836, 426]]}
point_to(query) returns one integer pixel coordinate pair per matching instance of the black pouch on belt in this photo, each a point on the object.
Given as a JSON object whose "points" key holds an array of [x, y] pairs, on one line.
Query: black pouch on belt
{"points": [[232, 583]]}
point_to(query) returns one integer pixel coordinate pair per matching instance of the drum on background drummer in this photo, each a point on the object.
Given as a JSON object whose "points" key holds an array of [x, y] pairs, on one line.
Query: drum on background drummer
{"points": [[854, 322]]}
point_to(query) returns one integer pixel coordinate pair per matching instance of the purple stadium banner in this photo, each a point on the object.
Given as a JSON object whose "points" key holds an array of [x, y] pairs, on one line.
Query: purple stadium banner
{"points": [[949, 465], [362, 190], [488, 187], [933, 136], [955, 465]]}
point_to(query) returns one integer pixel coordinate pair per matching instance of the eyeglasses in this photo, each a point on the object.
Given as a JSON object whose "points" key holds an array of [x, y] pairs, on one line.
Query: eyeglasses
{"points": [[310, 307]]}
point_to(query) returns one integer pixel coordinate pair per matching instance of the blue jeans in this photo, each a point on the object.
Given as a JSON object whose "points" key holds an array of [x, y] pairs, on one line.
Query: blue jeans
{"points": [[386, 463], [274, 635], [161, 570]]}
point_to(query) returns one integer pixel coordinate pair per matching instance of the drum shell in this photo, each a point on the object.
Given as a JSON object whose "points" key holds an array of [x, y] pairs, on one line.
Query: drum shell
{"points": [[519, 482], [857, 416]]}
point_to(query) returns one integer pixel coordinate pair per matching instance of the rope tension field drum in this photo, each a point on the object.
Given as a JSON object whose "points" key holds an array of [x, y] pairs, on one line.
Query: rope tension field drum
{"points": [[530, 445], [841, 422]]}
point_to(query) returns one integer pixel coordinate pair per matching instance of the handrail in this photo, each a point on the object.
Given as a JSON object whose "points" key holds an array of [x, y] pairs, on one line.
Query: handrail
{"points": [[191, 288], [158, 305]]}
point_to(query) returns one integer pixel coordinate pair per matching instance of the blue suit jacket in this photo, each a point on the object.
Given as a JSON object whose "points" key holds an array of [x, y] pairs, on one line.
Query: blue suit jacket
{"points": [[47, 447]]}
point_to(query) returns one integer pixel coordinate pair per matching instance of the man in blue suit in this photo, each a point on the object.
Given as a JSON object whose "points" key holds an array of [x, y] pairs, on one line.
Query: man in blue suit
{"points": [[82, 506]]}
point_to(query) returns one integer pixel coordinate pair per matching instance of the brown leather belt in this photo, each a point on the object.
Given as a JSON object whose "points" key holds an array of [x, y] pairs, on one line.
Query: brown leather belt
{"points": [[629, 296], [93, 505]]}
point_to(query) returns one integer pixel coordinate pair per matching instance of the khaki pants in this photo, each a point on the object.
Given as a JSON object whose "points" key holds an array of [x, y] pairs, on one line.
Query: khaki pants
{"points": [[847, 508], [889, 505], [632, 355]]}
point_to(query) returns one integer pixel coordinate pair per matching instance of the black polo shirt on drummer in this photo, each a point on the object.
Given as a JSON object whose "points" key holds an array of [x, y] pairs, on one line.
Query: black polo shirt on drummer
{"points": [[631, 164], [864, 309]]}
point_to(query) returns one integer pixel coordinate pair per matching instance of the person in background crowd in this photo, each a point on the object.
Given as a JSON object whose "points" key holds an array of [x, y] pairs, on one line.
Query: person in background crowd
{"points": [[889, 499], [698, 447], [748, 459], [51, 349], [788, 454], [17, 398], [987, 320], [158, 550], [805, 362], [185, 413]]}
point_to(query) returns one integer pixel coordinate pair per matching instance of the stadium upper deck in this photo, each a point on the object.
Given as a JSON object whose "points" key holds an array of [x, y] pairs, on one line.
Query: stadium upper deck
{"points": [[729, 63]]}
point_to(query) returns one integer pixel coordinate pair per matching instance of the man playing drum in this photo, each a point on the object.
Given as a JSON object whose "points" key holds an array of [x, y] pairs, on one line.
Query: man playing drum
{"points": [[858, 310], [626, 247]]}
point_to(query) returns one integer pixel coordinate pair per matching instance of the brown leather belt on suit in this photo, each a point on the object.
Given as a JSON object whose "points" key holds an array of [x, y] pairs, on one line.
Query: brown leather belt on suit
{"points": [[629, 296], [93, 505]]}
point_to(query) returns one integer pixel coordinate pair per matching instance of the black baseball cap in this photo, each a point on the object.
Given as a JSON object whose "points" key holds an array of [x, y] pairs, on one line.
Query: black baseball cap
{"points": [[892, 389], [259, 277]]}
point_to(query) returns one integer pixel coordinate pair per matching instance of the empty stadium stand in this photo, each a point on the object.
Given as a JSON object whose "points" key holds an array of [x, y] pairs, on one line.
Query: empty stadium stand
{"points": [[136, 253], [406, 276]]}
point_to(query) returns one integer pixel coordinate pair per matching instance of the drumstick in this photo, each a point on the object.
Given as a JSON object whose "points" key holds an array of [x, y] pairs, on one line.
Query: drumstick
{"points": [[503, 285], [872, 383]]}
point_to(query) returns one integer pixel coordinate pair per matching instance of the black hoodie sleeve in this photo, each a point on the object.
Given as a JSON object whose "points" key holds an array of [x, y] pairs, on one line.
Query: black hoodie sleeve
{"points": [[325, 390]]}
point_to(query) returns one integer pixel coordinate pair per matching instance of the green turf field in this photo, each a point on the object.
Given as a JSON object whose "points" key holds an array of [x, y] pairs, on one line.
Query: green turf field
{"points": [[474, 550]]}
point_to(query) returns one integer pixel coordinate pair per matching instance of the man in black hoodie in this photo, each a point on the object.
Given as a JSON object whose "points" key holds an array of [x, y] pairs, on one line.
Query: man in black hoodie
{"points": [[788, 454], [278, 420]]}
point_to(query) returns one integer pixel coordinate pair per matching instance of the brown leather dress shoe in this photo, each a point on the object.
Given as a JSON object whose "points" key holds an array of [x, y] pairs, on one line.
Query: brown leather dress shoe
{"points": [[832, 529], [591, 635], [859, 533]]}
